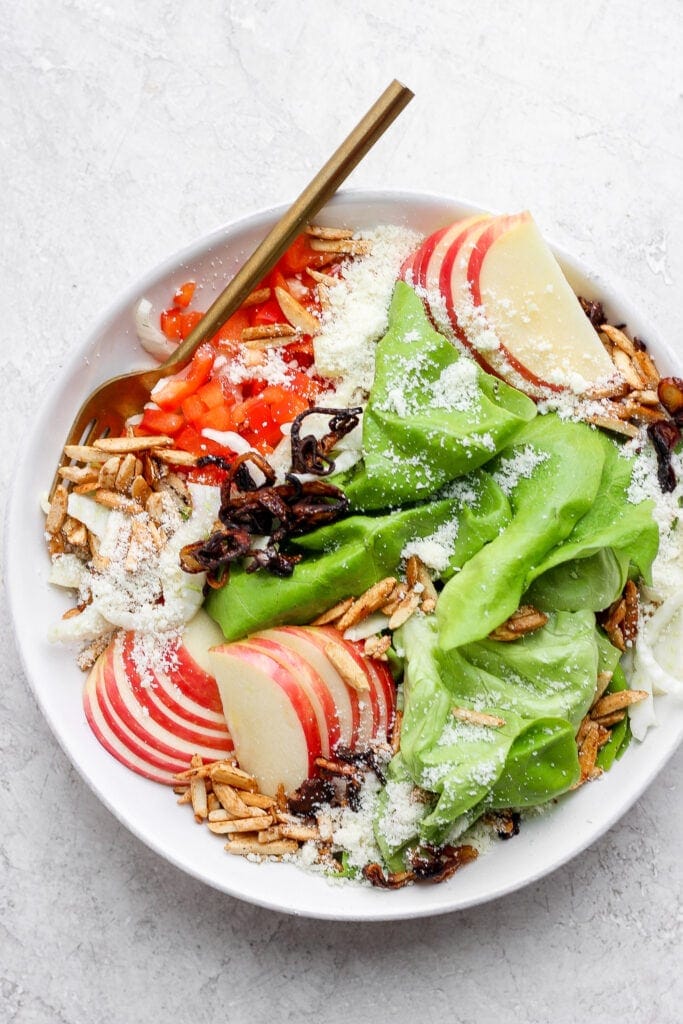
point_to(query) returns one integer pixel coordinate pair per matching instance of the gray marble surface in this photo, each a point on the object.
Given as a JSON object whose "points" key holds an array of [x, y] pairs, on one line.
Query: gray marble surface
{"points": [[126, 130]]}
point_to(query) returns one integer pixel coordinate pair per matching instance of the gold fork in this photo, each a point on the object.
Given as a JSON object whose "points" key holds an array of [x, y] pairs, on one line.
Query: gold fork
{"points": [[106, 409]]}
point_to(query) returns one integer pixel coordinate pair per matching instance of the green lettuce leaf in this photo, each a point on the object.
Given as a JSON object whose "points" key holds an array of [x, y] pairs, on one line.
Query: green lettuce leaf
{"points": [[562, 467], [433, 415], [349, 556]]}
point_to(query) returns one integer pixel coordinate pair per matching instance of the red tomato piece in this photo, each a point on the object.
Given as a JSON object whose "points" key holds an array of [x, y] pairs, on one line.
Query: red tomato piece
{"points": [[300, 256], [175, 391], [218, 418], [183, 296], [216, 393], [267, 313], [193, 408], [233, 327], [171, 324], [158, 421]]}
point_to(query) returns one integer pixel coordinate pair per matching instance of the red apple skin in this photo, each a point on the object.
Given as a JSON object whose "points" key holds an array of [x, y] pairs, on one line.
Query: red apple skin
{"points": [[196, 684], [367, 700], [328, 716], [161, 691], [111, 743], [131, 741], [121, 676], [386, 688], [296, 695], [313, 636], [499, 227]]}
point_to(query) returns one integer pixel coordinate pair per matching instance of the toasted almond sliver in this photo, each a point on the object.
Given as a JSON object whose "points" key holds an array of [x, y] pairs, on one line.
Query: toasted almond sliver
{"points": [[376, 647], [614, 389], [75, 532], [396, 731], [85, 453], [618, 338], [604, 736], [583, 729], [78, 474], [231, 801], [333, 613], [343, 246], [617, 701], [126, 473], [298, 316], [407, 607], [248, 847], [258, 800], [320, 278], [231, 775], [332, 234], [646, 397], [186, 797], [123, 445], [140, 490], [155, 506], [647, 369], [627, 368], [615, 426], [477, 717], [241, 824], [347, 667], [302, 833], [175, 457], [219, 814], [609, 720], [371, 601], [198, 792], [255, 298], [57, 512], [108, 473], [89, 655], [119, 502], [588, 751], [604, 679], [270, 834], [267, 331]]}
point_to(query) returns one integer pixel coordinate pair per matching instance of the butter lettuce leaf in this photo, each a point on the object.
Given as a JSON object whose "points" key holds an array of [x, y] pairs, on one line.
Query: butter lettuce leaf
{"points": [[349, 556], [433, 415], [540, 686]]}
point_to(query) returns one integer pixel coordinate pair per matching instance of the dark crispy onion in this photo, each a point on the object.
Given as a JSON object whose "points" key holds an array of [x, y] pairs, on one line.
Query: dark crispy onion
{"points": [[392, 880], [594, 311], [310, 455], [430, 864], [664, 435]]}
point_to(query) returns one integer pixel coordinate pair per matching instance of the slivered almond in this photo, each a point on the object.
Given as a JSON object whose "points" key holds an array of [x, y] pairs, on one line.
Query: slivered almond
{"points": [[175, 457], [646, 368], [266, 332], [213, 804], [155, 506], [298, 316], [158, 536], [270, 835], [140, 490], [583, 729], [126, 473], [87, 488], [333, 613], [56, 545], [118, 502], [57, 512], [123, 445], [185, 797], [320, 278], [407, 607], [73, 613], [241, 824], [477, 717], [258, 800], [604, 736], [255, 298], [347, 667], [604, 679], [377, 647], [398, 594], [588, 751], [614, 389], [75, 532], [627, 368], [342, 246], [617, 702], [220, 771], [645, 397], [89, 655], [198, 792], [526, 619], [332, 234], [249, 847], [614, 426], [619, 339], [302, 833], [337, 768], [231, 801], [85, 453], [79, 474], [609, 720], [219, 814], [369, 602], [642, 413], [108, 473]]}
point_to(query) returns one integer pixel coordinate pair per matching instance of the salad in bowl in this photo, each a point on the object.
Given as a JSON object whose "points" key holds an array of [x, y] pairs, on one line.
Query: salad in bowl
{"points": [[393, 565]]}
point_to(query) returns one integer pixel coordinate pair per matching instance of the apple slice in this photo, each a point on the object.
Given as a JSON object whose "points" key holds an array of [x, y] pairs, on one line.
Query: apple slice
{"points": [[318, 693], [270, 716], [516, 292]]}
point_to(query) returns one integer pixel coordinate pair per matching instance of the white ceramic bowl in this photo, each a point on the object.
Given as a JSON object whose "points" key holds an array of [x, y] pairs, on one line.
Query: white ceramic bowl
{"points": [[149, 810]]}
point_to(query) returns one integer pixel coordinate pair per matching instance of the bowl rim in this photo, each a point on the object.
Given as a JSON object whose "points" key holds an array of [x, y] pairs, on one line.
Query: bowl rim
{"points": [[125, 300]]}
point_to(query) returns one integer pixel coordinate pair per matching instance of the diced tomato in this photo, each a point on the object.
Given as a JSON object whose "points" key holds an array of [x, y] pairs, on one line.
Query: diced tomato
{"points": [[188, 322], [190, 440], [158, 421], [174, 392], [193, 408], [268, 312], [171, 324], [300, 256], [305, 386], [233, 327], [287, 408], [218, 418], [299, 351], [183, 296], [217, 392], [276, 279], [253, 387]]}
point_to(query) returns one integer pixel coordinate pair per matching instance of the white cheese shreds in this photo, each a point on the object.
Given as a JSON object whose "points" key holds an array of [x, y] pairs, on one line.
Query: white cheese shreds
{"points": [[518, 466], [358, 313], [436, 549], [402, 814]]}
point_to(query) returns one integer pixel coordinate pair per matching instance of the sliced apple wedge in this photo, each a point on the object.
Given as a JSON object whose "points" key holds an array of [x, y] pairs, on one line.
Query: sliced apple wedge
{"points": [[517, 289], [270, 716]]}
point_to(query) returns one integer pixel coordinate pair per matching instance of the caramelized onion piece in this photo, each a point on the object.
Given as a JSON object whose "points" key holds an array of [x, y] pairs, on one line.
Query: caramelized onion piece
{"points": [[310, 455]]}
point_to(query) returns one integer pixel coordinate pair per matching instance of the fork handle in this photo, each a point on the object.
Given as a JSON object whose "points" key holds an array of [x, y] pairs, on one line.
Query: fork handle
{"points": [[280, 237]]}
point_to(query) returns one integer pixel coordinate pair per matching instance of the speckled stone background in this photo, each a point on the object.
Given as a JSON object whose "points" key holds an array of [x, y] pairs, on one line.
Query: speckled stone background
{"points": [[126, 130]]}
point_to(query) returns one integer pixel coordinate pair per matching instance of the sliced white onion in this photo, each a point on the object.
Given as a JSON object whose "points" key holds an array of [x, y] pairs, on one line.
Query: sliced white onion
{"points": [[152, 339], [374, 623], [228, 439]]}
